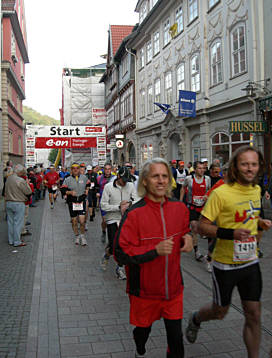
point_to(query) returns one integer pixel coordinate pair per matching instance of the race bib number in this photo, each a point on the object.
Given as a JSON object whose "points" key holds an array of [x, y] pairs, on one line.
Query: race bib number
{"points": [[77, 206], [92, 185], [245, 250], [54, 187], [198, 200], [180, 181]]}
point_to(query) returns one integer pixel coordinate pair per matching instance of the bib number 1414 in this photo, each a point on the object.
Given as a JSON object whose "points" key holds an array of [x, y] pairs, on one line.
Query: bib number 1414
{"points": [[245, 250]]}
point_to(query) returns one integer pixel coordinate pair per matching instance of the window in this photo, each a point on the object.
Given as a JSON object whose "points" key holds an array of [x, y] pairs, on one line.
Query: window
{"points": [[125, 65], [13, 44], [157, 91], [193, 10], [148, 52], [141, 63], [212, 2], [10, 143], [127, 105], [195, 73], [156, 42], [196, 148], [179, 19], [143, 12], [19, 144], [166, 33], [238, 50], [142, 104], [216, 63], [116, 113], [180, 78], [223, 145], [150, 99], [168, 88]]}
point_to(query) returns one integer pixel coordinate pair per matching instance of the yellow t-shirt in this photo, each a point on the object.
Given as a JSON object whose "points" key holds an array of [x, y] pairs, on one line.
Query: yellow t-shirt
{"points": [[234, 207]]}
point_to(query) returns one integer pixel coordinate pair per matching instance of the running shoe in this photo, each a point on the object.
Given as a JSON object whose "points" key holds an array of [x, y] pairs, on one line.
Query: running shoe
{"points": [[198, 256], [52, 205], [137, 355], [104, 262], [83, 240], [192, 330], [77, 242], [120, 272], [209, 267]]}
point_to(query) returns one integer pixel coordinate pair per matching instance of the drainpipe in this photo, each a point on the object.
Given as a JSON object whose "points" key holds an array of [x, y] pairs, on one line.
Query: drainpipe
{"points": [[135, 108], [1, 128]]}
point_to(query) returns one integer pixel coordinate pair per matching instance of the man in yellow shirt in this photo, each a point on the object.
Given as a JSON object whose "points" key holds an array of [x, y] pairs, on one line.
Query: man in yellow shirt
{"points": [[235, 207]]}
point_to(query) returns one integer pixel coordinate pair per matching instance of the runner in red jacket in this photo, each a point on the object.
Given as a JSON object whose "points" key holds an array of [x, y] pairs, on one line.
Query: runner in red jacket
{"points": [[151, 236]]}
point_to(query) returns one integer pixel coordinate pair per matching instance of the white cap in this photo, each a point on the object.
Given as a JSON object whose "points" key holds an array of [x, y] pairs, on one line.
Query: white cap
{"points": [[89, 167], [204, 159]]}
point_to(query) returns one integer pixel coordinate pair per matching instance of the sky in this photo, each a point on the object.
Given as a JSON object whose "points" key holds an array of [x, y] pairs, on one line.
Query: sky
{"points": [[67, 33]]}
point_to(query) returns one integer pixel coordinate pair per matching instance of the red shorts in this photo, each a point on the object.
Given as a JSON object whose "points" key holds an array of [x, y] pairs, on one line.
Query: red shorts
{"points": [[143, 311]]}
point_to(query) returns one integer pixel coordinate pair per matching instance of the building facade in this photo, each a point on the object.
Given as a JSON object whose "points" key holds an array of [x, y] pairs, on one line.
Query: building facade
{"points": [[14, 58], [83, 95], [120, 93], [211, 47]]}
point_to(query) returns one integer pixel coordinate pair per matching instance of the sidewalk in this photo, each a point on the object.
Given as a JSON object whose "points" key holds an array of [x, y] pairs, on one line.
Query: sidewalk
{"points": [[78, 311]]}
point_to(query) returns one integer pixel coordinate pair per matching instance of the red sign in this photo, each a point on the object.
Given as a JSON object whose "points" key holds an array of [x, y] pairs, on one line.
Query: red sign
{"points": [[68, 142], [93, 129]]}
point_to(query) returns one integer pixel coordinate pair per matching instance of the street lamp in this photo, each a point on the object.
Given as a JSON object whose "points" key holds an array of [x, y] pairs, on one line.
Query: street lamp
{"points": [[253, 87]]}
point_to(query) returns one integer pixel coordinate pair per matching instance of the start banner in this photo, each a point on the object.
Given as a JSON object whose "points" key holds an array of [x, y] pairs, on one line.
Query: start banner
{"points": [[66, 131], [65, 142]]}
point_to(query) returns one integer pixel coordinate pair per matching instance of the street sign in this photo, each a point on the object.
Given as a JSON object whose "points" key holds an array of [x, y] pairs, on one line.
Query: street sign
{"points": [[119, 144]]}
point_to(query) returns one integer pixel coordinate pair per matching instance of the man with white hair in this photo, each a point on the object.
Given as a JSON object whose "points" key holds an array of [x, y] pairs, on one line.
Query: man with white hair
{"points": [[152, 234], [17, 192]]}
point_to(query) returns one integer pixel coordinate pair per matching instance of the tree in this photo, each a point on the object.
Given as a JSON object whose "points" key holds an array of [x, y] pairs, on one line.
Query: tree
{"points": [[53, 155]]}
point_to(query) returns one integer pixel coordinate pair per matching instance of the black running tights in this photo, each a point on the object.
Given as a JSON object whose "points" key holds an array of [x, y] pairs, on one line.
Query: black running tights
{"points": [[174, 338]]}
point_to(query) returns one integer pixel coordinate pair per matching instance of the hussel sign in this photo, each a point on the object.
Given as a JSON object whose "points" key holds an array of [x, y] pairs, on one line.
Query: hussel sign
{"points": [[66, 136]]}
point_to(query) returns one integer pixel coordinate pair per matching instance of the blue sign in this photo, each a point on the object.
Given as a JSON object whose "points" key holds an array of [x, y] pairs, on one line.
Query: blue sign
{"points": [[187, 103]]}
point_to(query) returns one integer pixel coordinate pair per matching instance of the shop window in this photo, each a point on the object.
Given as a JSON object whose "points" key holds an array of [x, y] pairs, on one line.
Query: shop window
{"points": [[196, 148]]}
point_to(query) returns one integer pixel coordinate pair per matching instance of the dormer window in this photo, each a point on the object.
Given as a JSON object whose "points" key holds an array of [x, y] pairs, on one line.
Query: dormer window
{"points": [[143, 12]]}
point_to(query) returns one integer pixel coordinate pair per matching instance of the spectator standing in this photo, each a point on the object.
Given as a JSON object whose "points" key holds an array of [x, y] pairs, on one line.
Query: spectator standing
{"points": [[17, 192]]}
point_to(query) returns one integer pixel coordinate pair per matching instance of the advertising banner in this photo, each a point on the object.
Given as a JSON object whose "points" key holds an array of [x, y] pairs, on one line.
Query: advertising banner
{"points": [[65, 142], [99, 116], [187, 103]]}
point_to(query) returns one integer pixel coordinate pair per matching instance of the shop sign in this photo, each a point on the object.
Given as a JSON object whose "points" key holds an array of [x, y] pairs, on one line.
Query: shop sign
{"points": [[247, 127]]}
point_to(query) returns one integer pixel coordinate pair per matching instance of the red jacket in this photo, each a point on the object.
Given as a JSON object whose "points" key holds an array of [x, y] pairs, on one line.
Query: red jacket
{"points": [[142, 227], [39, 180]]}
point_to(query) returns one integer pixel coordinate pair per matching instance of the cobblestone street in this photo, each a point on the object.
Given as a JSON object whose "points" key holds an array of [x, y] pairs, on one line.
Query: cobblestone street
{"points": [[56, 301]]}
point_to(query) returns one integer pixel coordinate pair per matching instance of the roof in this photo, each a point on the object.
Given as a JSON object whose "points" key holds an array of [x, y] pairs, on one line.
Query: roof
{"points": [[117, 33]]}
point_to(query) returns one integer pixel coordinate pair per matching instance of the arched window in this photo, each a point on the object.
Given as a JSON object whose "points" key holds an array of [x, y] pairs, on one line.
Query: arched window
{"points": [[216, 63], [223, 145]]}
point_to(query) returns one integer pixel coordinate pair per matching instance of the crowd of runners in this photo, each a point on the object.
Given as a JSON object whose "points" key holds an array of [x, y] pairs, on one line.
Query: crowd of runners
{"points": [[149, 218]]}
